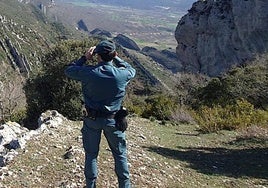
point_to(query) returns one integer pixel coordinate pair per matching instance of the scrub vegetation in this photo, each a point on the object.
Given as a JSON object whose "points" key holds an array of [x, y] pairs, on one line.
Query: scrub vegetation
{"points": [[220, 104]]}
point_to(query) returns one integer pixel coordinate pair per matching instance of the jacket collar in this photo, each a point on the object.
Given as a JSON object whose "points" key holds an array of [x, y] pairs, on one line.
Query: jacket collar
{"points": [[110, 63]]}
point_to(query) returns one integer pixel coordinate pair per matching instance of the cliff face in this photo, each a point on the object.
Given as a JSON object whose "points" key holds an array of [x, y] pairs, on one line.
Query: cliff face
{"points": [[25, 34], [218, 34]]}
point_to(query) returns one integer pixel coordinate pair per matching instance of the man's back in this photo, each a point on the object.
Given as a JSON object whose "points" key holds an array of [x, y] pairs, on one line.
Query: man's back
{"points": [[104, 85]]}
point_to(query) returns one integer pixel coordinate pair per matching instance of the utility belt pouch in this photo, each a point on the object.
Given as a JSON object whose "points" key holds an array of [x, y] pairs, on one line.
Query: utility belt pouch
{"points": [[121, 119], [89, 113]]}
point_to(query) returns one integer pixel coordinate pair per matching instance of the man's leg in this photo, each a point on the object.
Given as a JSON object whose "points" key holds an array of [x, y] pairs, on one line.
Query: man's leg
{"points": [[91, 135], [117, 143]]}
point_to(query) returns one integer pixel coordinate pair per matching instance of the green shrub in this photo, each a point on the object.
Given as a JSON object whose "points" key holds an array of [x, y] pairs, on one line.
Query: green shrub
{"points": [[135, 109], [235, 116], [160, 107], [135, 104], [51, 89], [18, 116], [152, 119], [249, 82], [216, 92]]}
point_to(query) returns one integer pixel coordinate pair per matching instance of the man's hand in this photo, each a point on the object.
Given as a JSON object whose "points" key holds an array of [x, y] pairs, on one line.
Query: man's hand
{"points": [[89, 53]]}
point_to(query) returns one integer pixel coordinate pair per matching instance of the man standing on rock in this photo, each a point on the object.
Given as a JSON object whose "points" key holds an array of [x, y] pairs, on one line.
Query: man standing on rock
{"points": [[103, 87]]}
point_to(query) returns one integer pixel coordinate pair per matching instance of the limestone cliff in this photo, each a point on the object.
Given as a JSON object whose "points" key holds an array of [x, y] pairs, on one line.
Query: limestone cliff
{"points": [[217, 34]]}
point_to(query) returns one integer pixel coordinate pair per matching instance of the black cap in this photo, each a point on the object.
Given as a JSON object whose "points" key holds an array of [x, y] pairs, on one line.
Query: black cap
{"points": [[105, 47]]}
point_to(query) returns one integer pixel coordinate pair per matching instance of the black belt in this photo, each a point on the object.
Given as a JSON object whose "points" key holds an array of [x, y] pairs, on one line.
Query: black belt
{"points": [[93, 114]]}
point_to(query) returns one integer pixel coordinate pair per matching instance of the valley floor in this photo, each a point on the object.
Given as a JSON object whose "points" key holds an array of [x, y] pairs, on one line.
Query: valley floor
{"points": [[159, 156]]}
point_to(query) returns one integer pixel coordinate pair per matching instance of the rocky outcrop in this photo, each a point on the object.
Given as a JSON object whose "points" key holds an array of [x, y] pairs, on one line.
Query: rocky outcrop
{"points": [[217, 35], [17, 59], [152, 79], [101, 33], [13, 136], [81, 25], [166, 58], [126, 42]]}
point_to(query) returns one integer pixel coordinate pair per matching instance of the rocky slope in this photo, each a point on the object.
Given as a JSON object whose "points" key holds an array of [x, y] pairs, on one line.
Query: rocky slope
{"points": [[57, 146], [216, 35], [159, 156], [22, 38]]}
